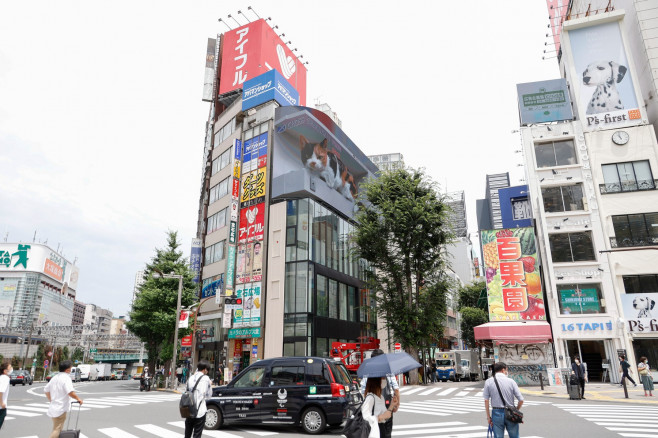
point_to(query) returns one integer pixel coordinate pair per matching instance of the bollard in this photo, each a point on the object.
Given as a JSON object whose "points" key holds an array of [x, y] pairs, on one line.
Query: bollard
{"points": [[623, 382], [541, 381]]}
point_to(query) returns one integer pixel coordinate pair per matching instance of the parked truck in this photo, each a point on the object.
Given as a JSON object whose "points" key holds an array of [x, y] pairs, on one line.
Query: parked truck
{"points": [[470, 364], [84, 371], [448, 366], [104, 371]]}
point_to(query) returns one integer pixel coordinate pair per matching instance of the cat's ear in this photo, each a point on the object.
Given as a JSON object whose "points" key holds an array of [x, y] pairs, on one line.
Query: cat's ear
{"points": [[323, 145], [302, 141]]}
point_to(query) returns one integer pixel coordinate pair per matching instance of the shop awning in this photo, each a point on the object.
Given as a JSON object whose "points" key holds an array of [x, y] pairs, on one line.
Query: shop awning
{"points": [[515, 332]]}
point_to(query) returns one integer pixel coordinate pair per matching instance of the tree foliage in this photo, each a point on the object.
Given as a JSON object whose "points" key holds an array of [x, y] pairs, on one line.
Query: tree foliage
{"points": [[402, 231], [471, 317], [470, 294], [153, 314]]}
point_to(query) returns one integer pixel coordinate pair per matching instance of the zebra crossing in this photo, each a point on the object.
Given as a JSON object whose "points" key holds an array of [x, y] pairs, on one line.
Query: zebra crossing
{"points": [[451, 406], [440, 391], [38, 409], [635, 421]]}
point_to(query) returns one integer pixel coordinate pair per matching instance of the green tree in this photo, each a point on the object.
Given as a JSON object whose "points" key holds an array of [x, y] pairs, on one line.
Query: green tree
{"points": [[471, 317], [469, 295], [402, 232], [78, 354], [153, 313]]}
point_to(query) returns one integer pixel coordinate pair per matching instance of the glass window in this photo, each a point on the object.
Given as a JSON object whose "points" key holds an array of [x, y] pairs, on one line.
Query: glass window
{"points": [[572, 247], [224, 132], [302, 230], [323, 299], [287, 375], [300, 289], [342, 300], [563, 198], [557, 153], [317, 372], [351, 303], [636, 229], [288, 348], [222, 161], [635, 284], [300, 348], [217, 220], [311, 288], [214, 253], [333, 299], [289, 303], [220, 190], [250, 379], [578, 299], [628, 177]]}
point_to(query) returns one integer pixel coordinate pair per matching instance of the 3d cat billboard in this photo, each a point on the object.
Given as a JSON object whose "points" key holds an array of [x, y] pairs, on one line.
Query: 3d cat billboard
{"points": [[513, 282], [313, 157], [601, 72]]}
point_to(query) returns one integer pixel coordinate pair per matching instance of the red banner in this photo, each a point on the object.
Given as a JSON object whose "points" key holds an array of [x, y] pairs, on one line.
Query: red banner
{"points": [[252, 223]]}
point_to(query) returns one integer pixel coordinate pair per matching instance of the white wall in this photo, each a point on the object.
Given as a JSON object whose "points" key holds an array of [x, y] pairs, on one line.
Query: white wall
{"points": [[276, 269]]}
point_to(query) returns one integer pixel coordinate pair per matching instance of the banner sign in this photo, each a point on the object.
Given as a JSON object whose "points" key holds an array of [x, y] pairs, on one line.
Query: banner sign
{"points": [[512, 273], [579, 301], [184, 320], [242, 333], [226, 320], [211, 286], [255, 153], [253, 187], [237, 313], [268, 86], [195, 259], [186, 341], [233, 233], [230, 267], [544, 101], [209, 72], [601, 75], [641, 312], [252, 223]]}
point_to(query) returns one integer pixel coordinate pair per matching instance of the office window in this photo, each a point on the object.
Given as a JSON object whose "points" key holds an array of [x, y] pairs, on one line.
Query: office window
{"points": [[342, 301], [636, 284], [555, 153], [333, 299], [215, 253], [578, 299], [627, 177], [563, 198], [222, 161], [224, 132], [572, 247], [635, 229], [220, 190], [217, 220], [322, 298]]}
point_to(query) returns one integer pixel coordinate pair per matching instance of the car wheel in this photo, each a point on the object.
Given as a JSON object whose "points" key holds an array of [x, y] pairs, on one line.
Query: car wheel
{"points": [[23, 382], [213, 418], [313, 421]]}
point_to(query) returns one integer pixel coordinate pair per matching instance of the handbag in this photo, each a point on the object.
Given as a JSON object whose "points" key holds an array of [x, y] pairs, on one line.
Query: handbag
{"points": [[356, 426], [511, 413], [490, 432]]}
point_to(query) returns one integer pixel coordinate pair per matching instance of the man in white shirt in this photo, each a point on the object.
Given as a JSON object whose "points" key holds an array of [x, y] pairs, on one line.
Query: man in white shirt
{"points": [[5, 371], [202, 392], [59, 391], [510, 391]]}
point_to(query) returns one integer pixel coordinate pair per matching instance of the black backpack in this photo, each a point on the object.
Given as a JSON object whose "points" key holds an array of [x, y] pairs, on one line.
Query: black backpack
{"points": [[188, 405], [356, 426]]}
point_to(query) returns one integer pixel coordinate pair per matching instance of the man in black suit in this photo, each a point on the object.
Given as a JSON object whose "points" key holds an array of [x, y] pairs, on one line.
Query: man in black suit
{"points": [[579, 370]]}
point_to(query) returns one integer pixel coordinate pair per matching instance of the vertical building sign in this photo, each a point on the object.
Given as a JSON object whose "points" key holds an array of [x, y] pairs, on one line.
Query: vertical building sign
{"points": [[233, 223], [195, 259], [209, 73]]}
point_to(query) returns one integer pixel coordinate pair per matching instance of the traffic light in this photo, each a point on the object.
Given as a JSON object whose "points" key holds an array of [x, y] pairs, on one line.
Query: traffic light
{"points": [[233, 300]]}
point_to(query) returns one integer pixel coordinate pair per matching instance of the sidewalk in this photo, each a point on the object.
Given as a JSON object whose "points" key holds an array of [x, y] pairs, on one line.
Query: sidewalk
{"points": [[608, 392]]}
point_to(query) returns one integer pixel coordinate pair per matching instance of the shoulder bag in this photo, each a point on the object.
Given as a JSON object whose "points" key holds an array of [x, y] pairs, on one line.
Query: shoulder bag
{"points": [[511, 413], [356, 426], [188, 406]]}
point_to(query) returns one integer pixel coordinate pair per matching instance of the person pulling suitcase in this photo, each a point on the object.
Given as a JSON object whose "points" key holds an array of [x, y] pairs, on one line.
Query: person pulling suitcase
{"points": [[75, 432], [59, 391]]}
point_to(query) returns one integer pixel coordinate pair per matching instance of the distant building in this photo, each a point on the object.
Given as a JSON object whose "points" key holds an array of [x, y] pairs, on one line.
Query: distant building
{"points": [[117, 326], [78, 314], [488, 209], [100, 319], [387, 161], [139, 281], [325, 108]]}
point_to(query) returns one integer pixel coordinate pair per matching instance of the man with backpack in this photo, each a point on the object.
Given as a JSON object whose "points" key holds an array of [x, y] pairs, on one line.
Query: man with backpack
{"points": [[199, 385]]}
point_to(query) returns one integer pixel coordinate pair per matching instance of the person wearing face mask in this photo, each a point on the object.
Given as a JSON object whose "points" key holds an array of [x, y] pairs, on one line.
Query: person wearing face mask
{"points": [[646, 378], [510, 391], [579, 370]]}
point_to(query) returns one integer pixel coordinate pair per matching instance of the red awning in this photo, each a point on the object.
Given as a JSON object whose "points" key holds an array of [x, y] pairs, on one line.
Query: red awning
{"points": [[515, 332]]}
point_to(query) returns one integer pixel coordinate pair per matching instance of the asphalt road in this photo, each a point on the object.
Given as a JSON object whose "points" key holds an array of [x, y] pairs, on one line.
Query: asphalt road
{"points": [[451, 410]]}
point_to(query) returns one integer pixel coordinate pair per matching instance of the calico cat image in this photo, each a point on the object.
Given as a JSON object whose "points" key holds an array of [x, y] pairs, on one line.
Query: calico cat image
{"points": [[319, 160]]}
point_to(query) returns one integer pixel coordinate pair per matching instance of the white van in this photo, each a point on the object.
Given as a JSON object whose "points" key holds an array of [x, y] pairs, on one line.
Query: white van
{"points": [[85, 371], [76, 375]]}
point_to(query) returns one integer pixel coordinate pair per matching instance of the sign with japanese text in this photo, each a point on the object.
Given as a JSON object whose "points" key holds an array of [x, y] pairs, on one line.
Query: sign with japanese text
{"points": [[230, 268], [233, 233], [544, 101], [253, 187], [253, 49], [53, 270], [268, 86], [252, 223], [211, 286], [255, 153], [640, 312], [186, 341], [252, 332], [195, 259], [579, 301], [184, 319], [238, 313], [512, 273]]}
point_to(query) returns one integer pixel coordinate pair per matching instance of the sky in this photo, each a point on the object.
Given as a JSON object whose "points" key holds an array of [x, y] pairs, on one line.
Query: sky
{"points": [[102, 123]]}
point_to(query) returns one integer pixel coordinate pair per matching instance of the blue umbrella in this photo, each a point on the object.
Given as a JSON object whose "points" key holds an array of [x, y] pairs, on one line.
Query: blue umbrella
{"points": [[387, 365]]}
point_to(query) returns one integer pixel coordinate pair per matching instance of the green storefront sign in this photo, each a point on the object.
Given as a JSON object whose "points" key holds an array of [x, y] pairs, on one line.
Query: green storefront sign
{"points": [[580, 300], [251, 332]]}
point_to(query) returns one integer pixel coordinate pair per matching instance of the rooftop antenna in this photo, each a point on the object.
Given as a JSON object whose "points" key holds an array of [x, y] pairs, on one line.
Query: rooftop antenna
{"points": [[249, 8], [75, 260], [6, 236], [222, 21], [34, 237], [231, 17], [246, 18]]}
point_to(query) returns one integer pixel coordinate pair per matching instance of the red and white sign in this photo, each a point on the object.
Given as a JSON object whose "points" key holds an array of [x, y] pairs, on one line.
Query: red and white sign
{"points": [[186, 341], [235, 193], [254, 49], [184, 320], [53, 269], [252, 223], [398, 346]]}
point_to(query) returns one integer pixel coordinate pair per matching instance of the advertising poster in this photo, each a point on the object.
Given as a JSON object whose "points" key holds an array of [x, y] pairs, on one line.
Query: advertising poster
{"points": [[257, 262], [241, 269], [211, 286], [235, 190], [252, 223], [230, 268], [255, 304], [233, 233], [640, 312], [512, 273], [253, 187], [226, 320], [544, 101], [237, 313], [312, 156], [253, 49], [603, 84], [247, 304], [579, 301], [268, 86], [255, 153], [195, 259]]}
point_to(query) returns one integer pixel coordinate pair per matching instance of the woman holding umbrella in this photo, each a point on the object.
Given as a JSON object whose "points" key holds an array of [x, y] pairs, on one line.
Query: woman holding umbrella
{"points": [[374, 409]]}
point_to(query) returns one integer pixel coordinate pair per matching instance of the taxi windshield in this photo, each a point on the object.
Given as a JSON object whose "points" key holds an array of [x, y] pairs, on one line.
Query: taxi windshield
{"points": [[340, 373]]}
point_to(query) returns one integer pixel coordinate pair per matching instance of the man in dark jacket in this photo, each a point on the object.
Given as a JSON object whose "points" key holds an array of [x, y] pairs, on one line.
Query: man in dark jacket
{"points": [[578, 369]]}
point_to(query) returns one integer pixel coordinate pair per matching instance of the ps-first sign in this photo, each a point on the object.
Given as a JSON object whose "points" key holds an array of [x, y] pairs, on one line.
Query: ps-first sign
{"points": [[268, 86]]}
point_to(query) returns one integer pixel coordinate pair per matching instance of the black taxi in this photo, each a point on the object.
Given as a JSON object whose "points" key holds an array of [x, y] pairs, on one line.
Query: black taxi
{"points": [[311, 392]]}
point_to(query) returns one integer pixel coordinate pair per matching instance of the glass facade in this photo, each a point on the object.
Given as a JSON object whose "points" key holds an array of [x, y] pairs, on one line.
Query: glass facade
{"points": [[326, 299]]}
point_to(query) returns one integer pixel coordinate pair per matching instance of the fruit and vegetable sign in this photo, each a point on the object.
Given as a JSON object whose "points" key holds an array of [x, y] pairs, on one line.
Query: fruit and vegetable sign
{"points": [[513, 282]]}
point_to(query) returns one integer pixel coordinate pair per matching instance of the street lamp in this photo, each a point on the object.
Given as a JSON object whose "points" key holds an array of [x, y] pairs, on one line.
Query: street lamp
{"points": [[158, 274]]}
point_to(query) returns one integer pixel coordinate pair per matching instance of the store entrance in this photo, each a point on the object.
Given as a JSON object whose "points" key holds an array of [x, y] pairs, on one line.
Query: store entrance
{"points": [[592, 353]]}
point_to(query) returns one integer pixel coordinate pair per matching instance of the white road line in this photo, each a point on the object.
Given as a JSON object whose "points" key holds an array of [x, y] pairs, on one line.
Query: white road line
{"points": [[28, 408], [434, 431], [623, 429], [448, 391], [257, 432], [459, 394], [429, 391], [628, 424], [638, 435], [114, 432], [158, 431], [211, 433], [411, 426], [413, 390], [20, 413]]}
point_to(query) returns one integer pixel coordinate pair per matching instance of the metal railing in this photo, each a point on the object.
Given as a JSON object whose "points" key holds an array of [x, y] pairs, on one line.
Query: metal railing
{"points": [[628, 186], [628, 242]]}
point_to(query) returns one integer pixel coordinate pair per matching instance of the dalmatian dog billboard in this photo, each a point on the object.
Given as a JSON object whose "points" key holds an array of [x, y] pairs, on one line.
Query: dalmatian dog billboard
{"points": [[641, 311], [606, 96]]}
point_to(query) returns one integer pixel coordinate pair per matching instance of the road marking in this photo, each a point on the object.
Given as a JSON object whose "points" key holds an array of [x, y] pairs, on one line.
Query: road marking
{"points": [[461, 394], [411, 426], [211, 433], [429, 391], [158, 431], [115, 432], [413, 390], [448, 391], [28, 408], [481, 431], [13, 411]]}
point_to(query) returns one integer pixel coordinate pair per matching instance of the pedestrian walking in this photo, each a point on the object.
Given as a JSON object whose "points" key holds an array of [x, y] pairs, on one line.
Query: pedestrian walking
{"points": [[179, 373], [579, 370], [485, 370], [58, 392], [185, 372], [510, 391], [390, 392], [203, 391], [374, 409], [5, 371], [623, 368], [644, 371]]}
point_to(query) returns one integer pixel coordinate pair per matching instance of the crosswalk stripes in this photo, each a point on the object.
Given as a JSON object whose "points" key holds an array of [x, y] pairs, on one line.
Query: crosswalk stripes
{"points": [[439, 391], [451, 406], [627, 421], [37, 409]]}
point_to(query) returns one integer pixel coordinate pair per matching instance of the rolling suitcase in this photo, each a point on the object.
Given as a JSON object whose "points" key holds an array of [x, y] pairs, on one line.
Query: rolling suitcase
{"points": [[68, 433], [573, 388]]}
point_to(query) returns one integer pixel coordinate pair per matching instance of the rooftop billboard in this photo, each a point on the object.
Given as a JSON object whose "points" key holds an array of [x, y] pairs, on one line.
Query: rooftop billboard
{"points": [[266, 87], [544, 101], [312, 156], [512, 273], [253, 49]]}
